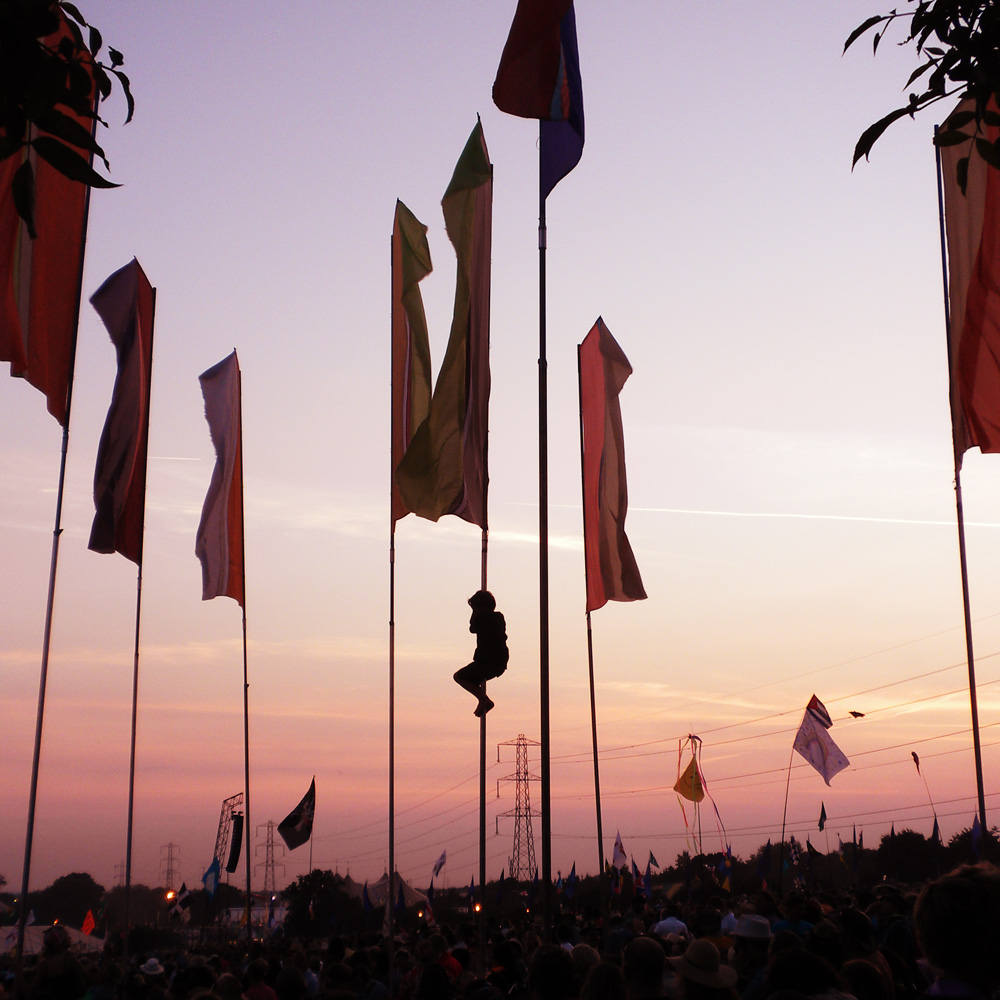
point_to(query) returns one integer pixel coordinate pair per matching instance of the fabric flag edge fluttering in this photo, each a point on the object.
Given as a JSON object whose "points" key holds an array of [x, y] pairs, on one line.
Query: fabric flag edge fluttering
{"points": [[611, 569], [219, 544], [126, 304]]}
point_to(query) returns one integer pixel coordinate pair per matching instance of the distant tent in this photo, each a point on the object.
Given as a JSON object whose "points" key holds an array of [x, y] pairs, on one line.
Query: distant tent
{"points": [[346, 884], [34, 935], [377, 891]]}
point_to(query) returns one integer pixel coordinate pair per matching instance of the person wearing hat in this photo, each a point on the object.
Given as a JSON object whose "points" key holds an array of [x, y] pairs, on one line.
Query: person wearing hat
{"points": [[59, 975], [701, 974], [156, 978], [748, 955]]}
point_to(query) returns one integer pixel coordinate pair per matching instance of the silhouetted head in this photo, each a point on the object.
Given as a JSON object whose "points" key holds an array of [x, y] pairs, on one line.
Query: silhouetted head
{"points": [[482, 600], [957, 919]]}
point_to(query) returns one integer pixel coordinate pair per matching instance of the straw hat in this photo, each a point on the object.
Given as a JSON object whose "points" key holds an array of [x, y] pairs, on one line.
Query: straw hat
{"points": [[151, 968], [753, 927], [701, 964]]}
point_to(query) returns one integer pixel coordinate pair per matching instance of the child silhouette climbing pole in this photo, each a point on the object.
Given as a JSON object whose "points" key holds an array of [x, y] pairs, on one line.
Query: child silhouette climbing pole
{"points": [[490, 657]]}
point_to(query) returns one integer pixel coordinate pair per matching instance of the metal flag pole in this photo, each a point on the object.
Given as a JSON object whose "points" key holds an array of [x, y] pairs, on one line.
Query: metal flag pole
{"points": [[605, 895], [482, 746], [784, 816], [392, 644], [50, 598], [960, 515], [482, 718], [543, 571], [135, 670], [246, 684]]}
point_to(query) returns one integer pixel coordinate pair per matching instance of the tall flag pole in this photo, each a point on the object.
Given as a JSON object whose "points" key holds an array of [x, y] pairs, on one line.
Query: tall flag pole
{"points": [[410, 400], [220, 544], [539, 77], [814, 743], [602, 370], [970, 267], [41, 285], [444, 468], [126, 303]]}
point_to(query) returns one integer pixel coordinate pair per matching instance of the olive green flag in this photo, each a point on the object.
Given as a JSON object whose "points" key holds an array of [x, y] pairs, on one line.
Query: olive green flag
{"points": [[444, 468], [411, 356]]}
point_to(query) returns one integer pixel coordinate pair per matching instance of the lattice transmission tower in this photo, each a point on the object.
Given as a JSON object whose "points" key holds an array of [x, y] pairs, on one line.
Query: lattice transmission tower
{"points": [[168, 865], [521, 863], [268, 864]]}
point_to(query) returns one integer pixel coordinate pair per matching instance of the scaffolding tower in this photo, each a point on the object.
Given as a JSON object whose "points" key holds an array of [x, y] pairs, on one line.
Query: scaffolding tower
{"points": [[521, 863], [268, 864], [229, 806]]}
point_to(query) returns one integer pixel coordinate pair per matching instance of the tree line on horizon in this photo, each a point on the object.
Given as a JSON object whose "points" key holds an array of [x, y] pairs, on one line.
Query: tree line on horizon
{"points": [[318, 903]]}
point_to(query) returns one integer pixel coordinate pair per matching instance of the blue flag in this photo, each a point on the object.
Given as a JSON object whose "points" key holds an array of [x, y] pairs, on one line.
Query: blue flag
{"points": [[561, 141], [210, 880]]}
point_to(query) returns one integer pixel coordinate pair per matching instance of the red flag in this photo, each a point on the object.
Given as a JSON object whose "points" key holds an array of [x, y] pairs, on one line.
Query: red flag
{"points": [[612, 574], [40, 279], [88, 922], [220, 533], [444, 468], [539, 77], [411, 358], [973, 227], [125, 302]]}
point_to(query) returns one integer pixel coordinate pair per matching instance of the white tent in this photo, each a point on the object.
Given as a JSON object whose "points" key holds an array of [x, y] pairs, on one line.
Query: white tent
{"points": [[34, 934]]}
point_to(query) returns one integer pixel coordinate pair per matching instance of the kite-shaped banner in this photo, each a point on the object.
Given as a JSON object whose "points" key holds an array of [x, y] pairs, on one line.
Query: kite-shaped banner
{"points": [[815, 744], [689, 785]]}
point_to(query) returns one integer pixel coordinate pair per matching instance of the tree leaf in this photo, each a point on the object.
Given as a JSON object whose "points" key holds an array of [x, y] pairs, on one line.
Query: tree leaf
{"points": [[959, 119], [63, 127], [127, 90], [871, 134], [74, 30], [860, 30], [962, 173], [69, 163], [989, 152], [22, 187], [96, 41], [73, 11], [103, 81], [919, 72], [8, 146], [950, 138], [117, 59], [80, 81]]}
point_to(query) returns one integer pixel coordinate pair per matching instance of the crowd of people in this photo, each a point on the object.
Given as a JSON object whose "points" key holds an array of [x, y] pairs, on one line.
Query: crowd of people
{"points": [[883, 944]]}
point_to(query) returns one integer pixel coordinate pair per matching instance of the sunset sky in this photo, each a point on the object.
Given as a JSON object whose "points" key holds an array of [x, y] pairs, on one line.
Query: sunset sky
{"points": [[792, 509]]}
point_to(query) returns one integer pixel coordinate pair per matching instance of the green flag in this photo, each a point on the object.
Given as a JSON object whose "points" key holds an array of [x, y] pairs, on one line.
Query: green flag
{"points": [[444, 468]]}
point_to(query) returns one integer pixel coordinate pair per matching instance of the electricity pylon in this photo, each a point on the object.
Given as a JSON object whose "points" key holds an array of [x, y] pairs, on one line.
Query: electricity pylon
{"points": [[521, 863]]}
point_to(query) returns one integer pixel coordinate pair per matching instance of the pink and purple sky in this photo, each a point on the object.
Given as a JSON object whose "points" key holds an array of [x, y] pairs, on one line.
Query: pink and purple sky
{"points": [[787, 437]]}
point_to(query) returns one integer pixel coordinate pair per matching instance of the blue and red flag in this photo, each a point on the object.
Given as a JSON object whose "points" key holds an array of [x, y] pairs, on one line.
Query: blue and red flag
{"points": [[539, 77]]}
